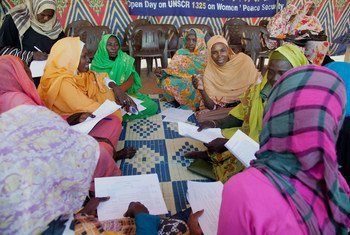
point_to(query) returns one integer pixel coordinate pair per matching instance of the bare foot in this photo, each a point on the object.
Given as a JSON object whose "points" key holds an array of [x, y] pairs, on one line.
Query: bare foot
{"points": [[198, 154], [125, 153]]}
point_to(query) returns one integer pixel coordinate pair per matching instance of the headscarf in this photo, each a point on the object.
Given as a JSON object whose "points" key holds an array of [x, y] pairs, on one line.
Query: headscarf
{"points": [[45, 169], [279, 23], [24, 16], [252, 105], [343, 70], [62, 64], [118, 70], [184, 63], [226, 83], [304, 22], [14, 82], [302, 119]]}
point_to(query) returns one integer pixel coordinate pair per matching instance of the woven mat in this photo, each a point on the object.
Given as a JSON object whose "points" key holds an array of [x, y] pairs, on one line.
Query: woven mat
{"points": [[160, 150]]}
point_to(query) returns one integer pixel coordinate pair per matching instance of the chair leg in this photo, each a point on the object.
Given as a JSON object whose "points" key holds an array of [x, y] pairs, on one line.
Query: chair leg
{"points": [[164, 61], [149, 65], [261, 63], [138, 65]]}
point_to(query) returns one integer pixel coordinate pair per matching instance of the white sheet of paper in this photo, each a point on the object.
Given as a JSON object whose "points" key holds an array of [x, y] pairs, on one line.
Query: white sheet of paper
{"points": [[207, 196], [125, 189], [174, 114], [37, 68], [204, 136], [107, 108], [138, 102], [243, 147]]}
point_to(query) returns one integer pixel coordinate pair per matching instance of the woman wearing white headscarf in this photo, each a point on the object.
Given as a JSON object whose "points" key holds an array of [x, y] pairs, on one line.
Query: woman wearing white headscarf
{"points": [[30, 27]]}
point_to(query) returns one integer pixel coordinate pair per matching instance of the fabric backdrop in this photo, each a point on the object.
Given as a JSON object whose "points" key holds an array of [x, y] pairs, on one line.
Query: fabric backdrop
{"points": [[333, 14]]}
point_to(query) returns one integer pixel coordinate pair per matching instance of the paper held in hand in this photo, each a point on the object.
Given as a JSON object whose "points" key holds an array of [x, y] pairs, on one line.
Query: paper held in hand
{"points": [[242, 147], [108, 107], [37, 68], [207, 196], [125, 189], [204, 136]]}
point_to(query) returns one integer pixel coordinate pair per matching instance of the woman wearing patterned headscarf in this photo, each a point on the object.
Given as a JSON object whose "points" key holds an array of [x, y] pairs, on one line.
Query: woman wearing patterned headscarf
{"points": [[306, 25], [176, 80], [294, 186], [30, 27]]}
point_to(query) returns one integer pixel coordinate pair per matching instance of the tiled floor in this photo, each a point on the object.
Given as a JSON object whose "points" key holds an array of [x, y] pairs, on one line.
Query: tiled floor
{"points": [[160, 150]]}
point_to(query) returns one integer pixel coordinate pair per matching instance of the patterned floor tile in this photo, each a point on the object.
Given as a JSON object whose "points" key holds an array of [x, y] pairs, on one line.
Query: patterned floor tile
{"points": [[151, 157], [160, 150], [168, 195], [177, 162], [145, 129]]}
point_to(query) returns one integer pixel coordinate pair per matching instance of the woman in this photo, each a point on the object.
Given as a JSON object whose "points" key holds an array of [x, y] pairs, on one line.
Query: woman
{"points": [[343, 143], [296, 173], [306, 25], [46, 169], [279, 24], [30, 29], [226, 77], [110, 59], [176, 80], [17, 89], [247, 116]]}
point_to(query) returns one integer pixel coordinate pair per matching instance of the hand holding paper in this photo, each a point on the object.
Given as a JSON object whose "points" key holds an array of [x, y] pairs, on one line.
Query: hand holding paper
{"points": [[204, 136], [243, 147]]}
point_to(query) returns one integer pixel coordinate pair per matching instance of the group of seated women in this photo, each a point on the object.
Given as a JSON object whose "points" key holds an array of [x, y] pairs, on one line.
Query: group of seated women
{"points": [[295, 111]]}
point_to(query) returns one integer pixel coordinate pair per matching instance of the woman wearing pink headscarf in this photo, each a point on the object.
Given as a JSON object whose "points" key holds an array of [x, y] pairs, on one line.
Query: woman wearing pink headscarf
{"points": [[16, 88], [294, 186]]}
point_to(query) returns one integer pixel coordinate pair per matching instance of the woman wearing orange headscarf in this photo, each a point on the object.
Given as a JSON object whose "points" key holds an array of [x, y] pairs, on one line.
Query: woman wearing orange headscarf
{"points": [[226, 77], [68, 87]]}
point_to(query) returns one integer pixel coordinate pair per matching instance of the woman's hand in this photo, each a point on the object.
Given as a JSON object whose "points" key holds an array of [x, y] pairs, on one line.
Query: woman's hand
{"points": [[84, 116], [122, 98], [217, 145], [78, 118], [206, 125], [38, 55], [197, 82], [134, 209], [92, 205], [193, 225], [158, 72]]}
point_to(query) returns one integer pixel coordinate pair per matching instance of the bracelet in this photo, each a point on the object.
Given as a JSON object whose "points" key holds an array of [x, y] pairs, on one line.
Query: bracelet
{"points": [[212, 121]]}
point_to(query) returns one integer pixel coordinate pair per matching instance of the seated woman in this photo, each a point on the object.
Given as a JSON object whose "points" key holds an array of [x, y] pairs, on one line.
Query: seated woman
{"points": [[30, 29], [42, 197], [176, 79], [226, 77], [306, 25], [294, 186], [68, 87], [343, 142], [110, 59], [247, 116], [16, 88]]}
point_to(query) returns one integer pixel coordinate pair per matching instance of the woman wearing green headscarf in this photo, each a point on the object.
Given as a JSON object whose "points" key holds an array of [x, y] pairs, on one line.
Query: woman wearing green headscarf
{"points": [[247, 116], [111, 59]]}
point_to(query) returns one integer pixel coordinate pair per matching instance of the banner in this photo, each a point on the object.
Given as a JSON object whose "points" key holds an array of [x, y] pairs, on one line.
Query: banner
{"points": [[207, 8]]}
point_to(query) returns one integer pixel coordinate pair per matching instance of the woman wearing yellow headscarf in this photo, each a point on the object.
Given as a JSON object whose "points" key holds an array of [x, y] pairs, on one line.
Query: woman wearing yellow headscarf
{"points": [[226, 77], [247, 116], [68, 87]]}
